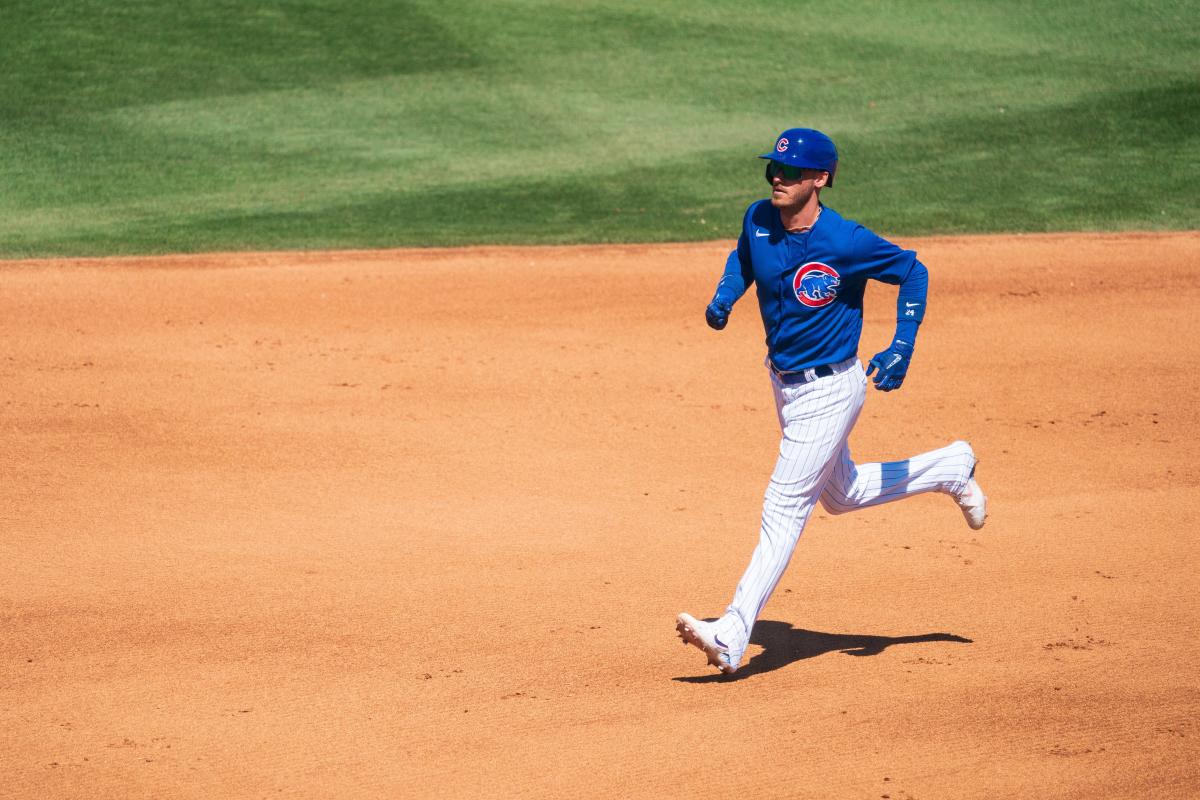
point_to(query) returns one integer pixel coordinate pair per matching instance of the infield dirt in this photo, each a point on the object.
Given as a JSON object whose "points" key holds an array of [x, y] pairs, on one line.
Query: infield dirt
{"points": [[418, 523]]}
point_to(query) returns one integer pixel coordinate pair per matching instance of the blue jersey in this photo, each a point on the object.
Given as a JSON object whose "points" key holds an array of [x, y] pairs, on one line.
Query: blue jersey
{"points": [[810, 285]]}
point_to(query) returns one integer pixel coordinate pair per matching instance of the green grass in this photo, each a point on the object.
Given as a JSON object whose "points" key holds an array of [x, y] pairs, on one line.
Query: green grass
{"points": [[141, 127]]}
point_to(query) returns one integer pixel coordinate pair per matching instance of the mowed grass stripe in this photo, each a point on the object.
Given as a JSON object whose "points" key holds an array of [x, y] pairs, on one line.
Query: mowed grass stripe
{"points": [[191, 126]]}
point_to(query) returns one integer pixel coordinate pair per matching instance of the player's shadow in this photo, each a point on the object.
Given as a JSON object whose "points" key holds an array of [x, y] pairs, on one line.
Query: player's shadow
{"points": [[782, 645]]}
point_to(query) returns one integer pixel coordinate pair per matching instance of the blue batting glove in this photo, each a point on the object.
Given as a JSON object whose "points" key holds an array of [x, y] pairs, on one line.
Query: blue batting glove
{"points": [[892, 365], [717, 315]]}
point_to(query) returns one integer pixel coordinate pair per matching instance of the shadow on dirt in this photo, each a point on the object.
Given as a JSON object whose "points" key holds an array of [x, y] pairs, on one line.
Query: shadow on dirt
{"points": [[782, 645]]}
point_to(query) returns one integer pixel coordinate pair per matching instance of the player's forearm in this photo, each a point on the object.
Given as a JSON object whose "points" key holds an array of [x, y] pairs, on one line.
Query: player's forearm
{"points": [[733, 283], [910, 304]]}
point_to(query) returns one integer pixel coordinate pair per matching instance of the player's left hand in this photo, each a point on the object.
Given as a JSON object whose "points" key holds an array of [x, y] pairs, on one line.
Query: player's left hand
{"points": [[892, 365]]}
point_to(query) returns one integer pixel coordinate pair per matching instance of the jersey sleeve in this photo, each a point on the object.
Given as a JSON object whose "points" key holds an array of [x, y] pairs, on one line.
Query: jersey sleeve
{"points": [[882, 260]]}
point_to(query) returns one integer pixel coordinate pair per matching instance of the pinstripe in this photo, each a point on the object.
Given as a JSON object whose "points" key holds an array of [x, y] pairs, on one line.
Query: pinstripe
{"points": [[817, 418], [814, 465], [856, 486]]}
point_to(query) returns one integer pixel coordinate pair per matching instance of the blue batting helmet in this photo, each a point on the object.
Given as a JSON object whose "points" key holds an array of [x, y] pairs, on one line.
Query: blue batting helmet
{"points": [[806, 148]]}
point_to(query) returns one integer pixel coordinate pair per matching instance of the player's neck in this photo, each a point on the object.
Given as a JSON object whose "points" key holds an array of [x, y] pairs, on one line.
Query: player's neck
{"points": [[798, 220]]}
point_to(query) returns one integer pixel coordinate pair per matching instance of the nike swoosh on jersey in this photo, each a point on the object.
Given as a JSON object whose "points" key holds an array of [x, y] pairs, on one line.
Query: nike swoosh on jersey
{"points": [[762, 233]]}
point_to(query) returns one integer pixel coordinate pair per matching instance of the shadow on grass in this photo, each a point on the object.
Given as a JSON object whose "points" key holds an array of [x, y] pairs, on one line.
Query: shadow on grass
{"points": [[782, 645]]}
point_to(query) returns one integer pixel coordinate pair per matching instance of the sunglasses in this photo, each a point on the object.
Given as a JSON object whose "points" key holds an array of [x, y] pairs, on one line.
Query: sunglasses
{"points": [[787, 171]]}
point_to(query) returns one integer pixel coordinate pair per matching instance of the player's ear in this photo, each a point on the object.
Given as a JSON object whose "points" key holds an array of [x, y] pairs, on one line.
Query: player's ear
{"points": [[822, 180]]}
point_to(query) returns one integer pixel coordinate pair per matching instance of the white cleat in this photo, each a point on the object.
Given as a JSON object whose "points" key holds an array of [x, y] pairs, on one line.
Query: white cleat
{"points": [[973, 503], [704, 636]]}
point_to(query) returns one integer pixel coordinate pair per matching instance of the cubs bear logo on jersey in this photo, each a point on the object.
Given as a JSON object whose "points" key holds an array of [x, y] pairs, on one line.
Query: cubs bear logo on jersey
{"points": [[816, 284]]}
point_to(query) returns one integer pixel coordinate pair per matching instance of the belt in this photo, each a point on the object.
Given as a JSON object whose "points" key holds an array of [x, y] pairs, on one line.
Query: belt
{"points": [[791, 378]]}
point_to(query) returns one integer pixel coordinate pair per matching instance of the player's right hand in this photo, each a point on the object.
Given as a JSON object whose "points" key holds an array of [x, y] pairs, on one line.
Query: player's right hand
{"points": [[892, 365], [717, 315]]}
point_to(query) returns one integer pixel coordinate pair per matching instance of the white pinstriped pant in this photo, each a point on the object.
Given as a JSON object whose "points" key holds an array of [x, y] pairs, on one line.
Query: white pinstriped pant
{"points": [[814, 464]]}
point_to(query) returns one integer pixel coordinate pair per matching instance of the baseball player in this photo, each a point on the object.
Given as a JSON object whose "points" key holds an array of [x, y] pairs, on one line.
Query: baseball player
{"points": [[810, 267]]}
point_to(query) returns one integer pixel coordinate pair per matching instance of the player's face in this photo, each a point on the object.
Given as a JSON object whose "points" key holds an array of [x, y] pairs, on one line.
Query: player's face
{"points": [[795, 192]]}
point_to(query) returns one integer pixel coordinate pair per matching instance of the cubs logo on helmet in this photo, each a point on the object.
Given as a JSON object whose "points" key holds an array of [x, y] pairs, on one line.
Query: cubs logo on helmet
{"points": [[816, 284]]}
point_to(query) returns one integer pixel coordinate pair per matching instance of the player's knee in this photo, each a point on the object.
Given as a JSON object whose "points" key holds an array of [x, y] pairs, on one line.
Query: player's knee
{"points": [[833, 506]]}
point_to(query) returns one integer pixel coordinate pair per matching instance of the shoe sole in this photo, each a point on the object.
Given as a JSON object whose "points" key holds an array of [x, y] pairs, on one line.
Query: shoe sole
{"points": [[689, 636]]}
